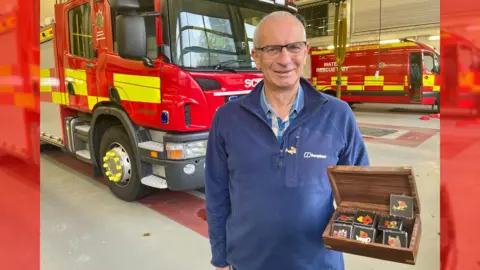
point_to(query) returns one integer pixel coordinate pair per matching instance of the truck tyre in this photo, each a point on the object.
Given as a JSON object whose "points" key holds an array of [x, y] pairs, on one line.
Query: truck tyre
{"points": [[119, 167], [331, 93]]}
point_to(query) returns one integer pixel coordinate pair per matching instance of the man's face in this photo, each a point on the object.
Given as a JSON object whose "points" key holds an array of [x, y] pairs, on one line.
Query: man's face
{"points": [[282, 67]]}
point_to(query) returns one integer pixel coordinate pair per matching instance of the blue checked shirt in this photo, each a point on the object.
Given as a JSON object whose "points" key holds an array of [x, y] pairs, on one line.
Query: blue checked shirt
{"points": [[278, 126]]}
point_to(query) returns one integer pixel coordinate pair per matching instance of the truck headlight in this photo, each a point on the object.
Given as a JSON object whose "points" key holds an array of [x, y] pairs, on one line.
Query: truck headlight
{"points": [[188, 150]]}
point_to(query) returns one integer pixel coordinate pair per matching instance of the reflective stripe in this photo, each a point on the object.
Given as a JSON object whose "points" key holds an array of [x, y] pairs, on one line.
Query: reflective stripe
{"points": [[60, 98], [373, 81], [369, 81], [429, 80], [79, 79], [45, 80], [355, 87], [393, 87], [130, 88], [369, 47], [94, 100], [344, 80], [138, 88]]}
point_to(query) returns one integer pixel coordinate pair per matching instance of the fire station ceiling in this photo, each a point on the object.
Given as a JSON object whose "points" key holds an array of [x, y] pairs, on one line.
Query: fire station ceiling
{"points": [[394, 14]]}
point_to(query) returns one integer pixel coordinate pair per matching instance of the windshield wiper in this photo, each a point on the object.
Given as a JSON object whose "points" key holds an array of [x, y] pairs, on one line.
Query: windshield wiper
{"points": [[222, 64]]}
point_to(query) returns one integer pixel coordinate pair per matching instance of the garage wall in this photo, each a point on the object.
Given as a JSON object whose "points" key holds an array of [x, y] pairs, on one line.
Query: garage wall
{"points": [[395, 14], [46, 10]]}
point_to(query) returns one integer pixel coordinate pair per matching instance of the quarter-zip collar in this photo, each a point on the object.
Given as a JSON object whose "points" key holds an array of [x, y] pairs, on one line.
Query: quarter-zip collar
{"points": [[313, 99]]}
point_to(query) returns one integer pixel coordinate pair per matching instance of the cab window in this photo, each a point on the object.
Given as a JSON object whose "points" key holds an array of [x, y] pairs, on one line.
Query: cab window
{"points": [[428, 62], [80, 29]]}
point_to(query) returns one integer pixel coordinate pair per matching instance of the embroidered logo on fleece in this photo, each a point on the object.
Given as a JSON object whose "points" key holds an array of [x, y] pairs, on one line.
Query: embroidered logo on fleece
{"points": [[311, 155]]}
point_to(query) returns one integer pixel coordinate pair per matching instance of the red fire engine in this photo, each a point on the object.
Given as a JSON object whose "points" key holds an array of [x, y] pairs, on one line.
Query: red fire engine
{"points": [[19, 109], [131, 86], [404, 72], [461, 80]]}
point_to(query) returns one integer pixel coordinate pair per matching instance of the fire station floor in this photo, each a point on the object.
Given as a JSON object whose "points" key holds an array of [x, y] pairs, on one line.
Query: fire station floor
{"points": [[84, 227]]}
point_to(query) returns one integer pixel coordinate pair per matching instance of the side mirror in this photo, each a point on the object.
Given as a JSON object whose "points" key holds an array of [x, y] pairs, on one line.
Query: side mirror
{"points": [[131, 37]]}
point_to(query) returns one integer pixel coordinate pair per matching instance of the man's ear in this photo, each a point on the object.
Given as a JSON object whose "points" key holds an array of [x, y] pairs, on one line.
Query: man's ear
{"points": [[307, 52], [256, 58]]}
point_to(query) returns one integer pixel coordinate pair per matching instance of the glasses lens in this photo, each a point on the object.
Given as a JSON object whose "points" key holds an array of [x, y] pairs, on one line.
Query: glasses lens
{"points": [[295, 47], [272, 50]]}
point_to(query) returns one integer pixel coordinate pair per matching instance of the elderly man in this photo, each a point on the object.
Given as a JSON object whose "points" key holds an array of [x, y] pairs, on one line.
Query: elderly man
{"points": [[268, 197]]}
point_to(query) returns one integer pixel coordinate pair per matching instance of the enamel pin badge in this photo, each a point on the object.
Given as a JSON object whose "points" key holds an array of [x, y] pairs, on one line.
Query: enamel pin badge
{"points": [[401, 206], [291, 151]]}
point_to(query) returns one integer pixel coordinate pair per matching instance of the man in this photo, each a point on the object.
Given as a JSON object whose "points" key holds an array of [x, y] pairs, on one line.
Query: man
{"points": [[268, 198]]}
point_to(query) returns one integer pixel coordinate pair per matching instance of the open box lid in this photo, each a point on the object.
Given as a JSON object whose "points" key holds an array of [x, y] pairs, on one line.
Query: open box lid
{"points": [[371, 186]]}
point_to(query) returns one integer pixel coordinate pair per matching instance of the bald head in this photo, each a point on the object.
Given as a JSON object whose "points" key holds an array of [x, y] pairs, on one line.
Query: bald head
{"points": [[276, 19]]}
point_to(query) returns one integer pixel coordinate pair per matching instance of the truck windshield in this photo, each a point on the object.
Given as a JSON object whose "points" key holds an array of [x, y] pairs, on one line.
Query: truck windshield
{"points": [[208, 34]]}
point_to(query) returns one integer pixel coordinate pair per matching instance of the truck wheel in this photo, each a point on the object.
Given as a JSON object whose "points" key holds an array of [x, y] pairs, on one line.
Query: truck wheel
{"points": [[119, 166], [331, 93]]}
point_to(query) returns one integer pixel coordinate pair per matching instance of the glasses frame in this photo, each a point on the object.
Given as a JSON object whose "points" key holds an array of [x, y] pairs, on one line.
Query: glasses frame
{"points": [[281, 47]]}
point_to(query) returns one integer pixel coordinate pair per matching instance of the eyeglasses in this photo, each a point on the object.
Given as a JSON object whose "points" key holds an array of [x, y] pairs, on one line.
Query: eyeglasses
{"points": [[275, 50]]}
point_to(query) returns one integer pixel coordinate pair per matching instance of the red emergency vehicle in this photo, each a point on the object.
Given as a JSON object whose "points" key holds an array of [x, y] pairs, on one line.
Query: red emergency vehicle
{"points": [[403, 72], [19, 110], [131, 86], [461, 80]]}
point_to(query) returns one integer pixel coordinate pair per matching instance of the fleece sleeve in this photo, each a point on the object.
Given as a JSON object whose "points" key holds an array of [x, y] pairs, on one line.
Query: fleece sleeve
{"points": [[354, 151], [217, 198]]}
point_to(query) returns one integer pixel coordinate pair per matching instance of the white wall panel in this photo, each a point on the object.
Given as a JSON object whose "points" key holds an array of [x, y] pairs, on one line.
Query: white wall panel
{"points": [[46, 10], [395, 14]]}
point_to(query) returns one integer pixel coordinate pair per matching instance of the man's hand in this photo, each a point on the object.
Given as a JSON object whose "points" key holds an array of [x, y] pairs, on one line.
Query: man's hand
{"points": [[225, 268]]}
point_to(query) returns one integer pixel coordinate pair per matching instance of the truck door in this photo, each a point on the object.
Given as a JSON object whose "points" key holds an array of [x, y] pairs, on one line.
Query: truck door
{"points": [[79, 60], [429, 72], [415, 86]]}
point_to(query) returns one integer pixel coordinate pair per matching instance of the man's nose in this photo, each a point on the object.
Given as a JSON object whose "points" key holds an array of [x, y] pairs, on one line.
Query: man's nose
{"points": [[284, 56]]}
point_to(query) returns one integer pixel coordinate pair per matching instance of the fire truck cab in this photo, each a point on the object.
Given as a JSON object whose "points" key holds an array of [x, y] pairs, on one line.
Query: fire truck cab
{"points": [[405, 72], [131, 86]]}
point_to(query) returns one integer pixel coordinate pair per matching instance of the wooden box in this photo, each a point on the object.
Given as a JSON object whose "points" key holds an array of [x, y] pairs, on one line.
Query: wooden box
{"points": [[369, 188]]}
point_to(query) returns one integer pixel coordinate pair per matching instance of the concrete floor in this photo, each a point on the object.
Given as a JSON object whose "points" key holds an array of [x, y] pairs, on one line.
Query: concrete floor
{"points": [[85, 227]]}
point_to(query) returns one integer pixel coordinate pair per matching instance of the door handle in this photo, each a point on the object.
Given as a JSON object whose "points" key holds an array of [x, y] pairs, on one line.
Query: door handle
{"points": [[89, 65], [70, 88]]}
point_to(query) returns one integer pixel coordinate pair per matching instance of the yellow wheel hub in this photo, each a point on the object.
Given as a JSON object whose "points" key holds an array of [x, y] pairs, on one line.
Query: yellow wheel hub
{"points": [[116, 164]]}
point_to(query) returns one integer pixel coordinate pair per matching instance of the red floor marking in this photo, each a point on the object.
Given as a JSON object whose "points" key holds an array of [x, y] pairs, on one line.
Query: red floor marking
{"points": [[180, 207], [413, 138]]}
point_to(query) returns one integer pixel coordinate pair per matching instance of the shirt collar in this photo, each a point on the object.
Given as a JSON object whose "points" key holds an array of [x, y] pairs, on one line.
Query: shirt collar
{"points": [[297, 105]]}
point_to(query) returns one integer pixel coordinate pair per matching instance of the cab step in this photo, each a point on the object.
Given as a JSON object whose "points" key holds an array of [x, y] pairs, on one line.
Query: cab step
{"points": [[77, 133], [84, 154], [154, 181], [83, 128]]}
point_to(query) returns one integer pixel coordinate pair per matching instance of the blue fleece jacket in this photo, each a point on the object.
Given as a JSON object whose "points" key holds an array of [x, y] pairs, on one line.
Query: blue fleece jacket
{"points": [[267, 207]]}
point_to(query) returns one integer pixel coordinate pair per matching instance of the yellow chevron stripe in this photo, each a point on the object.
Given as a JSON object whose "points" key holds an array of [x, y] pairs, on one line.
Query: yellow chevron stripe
{"points": [[393, 88], [355, 87], [94, 100], [138, 88], [373, 81], [79, 79], [429, 81], [45, 80], [368, 47]]}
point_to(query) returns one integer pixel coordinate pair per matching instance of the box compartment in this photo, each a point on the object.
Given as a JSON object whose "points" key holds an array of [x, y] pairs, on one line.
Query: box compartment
{"points": [[358, 188]]}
